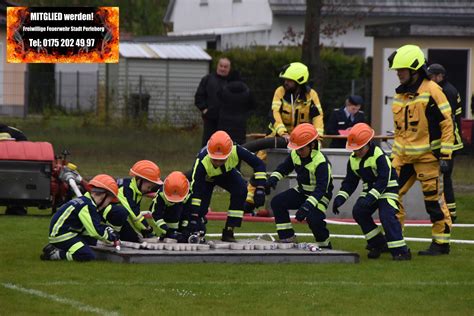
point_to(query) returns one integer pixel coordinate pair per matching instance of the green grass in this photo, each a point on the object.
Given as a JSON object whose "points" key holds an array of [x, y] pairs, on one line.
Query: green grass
{"points": [[439, 285], [114, 148], [424, 286]]}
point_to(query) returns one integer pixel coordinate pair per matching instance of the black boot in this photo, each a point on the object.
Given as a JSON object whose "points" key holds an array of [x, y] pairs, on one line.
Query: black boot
{"points": [[375, 252], [228, 234], [435, 250], [16, 210], [50, 253], [402, 256], [249, 208], [289, 240], [453, 216], [329, 246]]}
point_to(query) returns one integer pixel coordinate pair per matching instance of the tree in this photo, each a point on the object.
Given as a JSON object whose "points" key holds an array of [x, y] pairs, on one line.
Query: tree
{"points": [[337, 25], [311, 47]]}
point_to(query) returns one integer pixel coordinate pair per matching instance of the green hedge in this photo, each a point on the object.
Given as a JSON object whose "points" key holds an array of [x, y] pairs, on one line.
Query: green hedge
{"points": [[260, 67]]}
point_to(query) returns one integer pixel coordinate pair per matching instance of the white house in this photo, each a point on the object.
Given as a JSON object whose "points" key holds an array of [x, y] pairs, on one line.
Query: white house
{"points": [[244, 23]]}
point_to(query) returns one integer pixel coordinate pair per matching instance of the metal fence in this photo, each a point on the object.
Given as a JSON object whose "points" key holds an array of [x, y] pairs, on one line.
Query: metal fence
{"points": [[151, 98], [76, 91]]}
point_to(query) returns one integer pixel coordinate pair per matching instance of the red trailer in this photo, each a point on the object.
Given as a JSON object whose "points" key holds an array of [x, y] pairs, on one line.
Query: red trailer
{"points": [[31, 175]]}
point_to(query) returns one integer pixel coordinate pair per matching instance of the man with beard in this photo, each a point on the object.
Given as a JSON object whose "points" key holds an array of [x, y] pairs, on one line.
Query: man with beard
{"points": [[294, 102], [206, 99], [423, 141]]}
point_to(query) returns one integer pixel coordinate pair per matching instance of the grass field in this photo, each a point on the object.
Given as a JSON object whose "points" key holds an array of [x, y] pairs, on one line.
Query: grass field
{"points": [[424, 286], [438, 285]]}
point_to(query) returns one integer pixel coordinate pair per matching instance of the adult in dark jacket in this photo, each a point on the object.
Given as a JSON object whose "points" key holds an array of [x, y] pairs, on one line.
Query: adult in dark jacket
{"points": [[344, 118], [206, 99], [236, 100], [437, 73]]}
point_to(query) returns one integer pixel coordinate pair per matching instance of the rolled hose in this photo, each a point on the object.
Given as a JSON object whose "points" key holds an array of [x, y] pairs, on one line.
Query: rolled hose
{"points": [[265, 143]]}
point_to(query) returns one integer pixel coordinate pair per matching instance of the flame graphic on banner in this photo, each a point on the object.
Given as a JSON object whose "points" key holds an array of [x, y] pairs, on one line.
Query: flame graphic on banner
{"points": [[108, 52]]}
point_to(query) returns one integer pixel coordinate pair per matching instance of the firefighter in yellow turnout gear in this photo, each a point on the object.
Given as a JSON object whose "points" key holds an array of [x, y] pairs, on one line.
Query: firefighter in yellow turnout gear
{"points": [[294, 102], [423, 140]]}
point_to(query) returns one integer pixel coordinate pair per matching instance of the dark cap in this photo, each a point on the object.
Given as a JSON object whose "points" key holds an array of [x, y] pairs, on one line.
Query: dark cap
{"points": [[436, 69], [356, 100]]}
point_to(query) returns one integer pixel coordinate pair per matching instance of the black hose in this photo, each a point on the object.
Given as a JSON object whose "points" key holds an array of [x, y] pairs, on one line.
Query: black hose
{"points": [[265, 143]]}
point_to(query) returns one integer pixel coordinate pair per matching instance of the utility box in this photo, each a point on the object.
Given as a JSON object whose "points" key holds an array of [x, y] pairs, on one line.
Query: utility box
{"points": [[413, 201], [25, 173]]}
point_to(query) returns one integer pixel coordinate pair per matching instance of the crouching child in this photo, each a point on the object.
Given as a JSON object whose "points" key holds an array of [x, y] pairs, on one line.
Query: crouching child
{"points": [[79, 217], [314, 190]]}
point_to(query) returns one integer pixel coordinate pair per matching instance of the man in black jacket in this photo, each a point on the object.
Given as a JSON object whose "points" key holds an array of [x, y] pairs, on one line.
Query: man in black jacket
{"points": [[344, 118], [206, 99], [437, 73]]}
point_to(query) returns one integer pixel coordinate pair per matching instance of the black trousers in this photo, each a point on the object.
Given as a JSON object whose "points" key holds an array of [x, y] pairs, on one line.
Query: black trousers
{"points": [[210, 127]]}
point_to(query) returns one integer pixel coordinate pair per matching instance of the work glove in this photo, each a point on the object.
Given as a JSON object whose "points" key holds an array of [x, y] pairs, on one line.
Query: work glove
{"points": [[147, 232], [173, 235], [338, 201], [196, 224], [303, 211], [270, 184], [259, 197], [112, 235], [444, 166]]}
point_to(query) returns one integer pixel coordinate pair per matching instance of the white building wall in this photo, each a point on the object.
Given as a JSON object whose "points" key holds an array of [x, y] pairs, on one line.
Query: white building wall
{"points": [[248, 39], [218, 14], [353, 38], [190, 15], [184, 79]]}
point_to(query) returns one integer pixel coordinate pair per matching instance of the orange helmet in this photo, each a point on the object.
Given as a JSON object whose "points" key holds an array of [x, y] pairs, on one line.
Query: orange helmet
{"points": [[176, 187], [219, 145], [147, 170], [302, 135], [359, 136], [107, 183]]}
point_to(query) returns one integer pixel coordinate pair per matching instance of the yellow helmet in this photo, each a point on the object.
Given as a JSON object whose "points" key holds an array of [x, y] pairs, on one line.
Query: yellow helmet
{"points": [[408, 56], [295, 71]]}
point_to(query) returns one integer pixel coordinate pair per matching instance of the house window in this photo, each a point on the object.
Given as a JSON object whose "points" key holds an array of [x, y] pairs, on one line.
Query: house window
{"points": [[237, 1], [203, 3]]}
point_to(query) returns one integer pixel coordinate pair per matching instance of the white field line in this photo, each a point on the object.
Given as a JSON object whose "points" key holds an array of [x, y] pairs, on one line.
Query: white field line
{"points": [[80, 306], [329, 221], [454, 241]]}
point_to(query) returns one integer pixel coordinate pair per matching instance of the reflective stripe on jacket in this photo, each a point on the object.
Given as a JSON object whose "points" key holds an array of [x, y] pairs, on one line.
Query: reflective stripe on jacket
{"points": [[313, 175], [413, 113], [375, 169], [131, 197], [75, 217], [288, 112], [204, 171]]}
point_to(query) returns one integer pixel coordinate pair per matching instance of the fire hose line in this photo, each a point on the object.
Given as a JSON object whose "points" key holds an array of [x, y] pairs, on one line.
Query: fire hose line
{"points": [[453, 241], [415, 223]]}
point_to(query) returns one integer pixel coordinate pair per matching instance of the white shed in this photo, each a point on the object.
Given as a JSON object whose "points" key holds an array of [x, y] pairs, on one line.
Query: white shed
{"points": [[154, 81]]}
